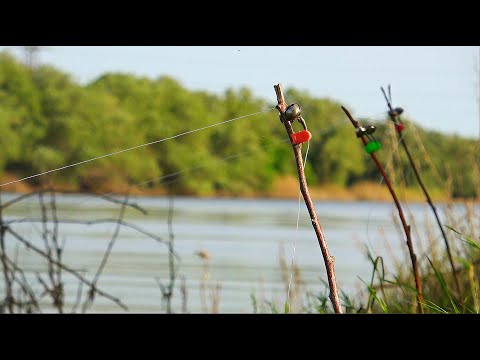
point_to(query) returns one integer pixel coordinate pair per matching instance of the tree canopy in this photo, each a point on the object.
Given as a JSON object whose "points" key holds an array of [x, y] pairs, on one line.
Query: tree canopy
{"points": [[48, 120]]}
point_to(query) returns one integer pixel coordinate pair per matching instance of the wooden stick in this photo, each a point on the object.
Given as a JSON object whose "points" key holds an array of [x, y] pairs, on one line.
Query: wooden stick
{"points": [[297, 150], [406, 227], [396, 120]]}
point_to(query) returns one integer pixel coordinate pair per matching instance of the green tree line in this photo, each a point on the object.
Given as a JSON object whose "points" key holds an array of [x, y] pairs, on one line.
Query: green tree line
{"points": [[48, 120]]}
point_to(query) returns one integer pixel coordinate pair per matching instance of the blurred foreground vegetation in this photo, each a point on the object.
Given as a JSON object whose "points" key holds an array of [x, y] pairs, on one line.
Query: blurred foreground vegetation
{"points": [[47, 120], [391, 289]]}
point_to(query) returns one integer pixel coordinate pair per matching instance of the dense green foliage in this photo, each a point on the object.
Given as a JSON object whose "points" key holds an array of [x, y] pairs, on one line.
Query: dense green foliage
{"points": [[48, 120]]}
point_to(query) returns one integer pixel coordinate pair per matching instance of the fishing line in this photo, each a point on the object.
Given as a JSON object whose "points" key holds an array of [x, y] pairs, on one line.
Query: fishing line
{"points": [[165, 179], [224, 159], [128, 149], [169, 178], [135, 147], [296, 235], [227, 158], [339, 123], [296, 231], [176, 176]]}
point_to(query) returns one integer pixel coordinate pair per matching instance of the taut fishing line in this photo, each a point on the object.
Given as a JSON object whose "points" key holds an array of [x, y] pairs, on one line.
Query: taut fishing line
{"points": [[165, 177], [135, 147], [169, 178], [175, 176], [128, 149]]}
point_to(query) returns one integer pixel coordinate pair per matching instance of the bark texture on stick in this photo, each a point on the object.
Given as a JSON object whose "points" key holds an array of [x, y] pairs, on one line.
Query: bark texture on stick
{"points": [[406, 227], [297, 150]]}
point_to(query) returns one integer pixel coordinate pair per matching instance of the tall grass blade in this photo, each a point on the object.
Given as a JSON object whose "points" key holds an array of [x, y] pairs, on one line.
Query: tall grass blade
{"points": [[373, 295], [430, 305], [474, 244], [253, 298], [444, 286]]}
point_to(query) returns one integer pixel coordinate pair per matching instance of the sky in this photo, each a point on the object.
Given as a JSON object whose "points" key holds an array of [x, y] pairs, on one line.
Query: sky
{"points": [[438, 87]]}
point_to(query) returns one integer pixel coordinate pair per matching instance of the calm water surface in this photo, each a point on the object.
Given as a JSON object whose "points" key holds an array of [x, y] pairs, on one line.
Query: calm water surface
{"points": [[243, 237]]}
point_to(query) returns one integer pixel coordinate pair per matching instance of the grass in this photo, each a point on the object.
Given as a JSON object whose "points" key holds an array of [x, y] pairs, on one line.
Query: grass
{"points": [[287, 187], [392, 294], [390, 290], [386, 290]]}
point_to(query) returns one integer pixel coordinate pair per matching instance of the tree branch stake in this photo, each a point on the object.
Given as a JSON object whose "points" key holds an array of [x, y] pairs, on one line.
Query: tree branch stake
{"points": [[297, 150]]}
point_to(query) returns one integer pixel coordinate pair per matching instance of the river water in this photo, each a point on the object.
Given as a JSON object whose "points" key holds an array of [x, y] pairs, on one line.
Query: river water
{"points": [[243, 239]]}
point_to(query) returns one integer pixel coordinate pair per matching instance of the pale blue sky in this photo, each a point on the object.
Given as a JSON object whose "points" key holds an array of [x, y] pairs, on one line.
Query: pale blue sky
{"points": [[437, 86]]}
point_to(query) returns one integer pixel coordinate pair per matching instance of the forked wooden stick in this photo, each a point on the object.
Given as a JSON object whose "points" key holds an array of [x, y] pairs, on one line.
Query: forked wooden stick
{"points": [[297, 150], [395, 118], [406, 227]]}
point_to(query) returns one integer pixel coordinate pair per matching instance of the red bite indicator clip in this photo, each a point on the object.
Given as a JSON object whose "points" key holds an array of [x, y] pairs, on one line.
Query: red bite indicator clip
{"points": [[399, 127], [301, 137]]}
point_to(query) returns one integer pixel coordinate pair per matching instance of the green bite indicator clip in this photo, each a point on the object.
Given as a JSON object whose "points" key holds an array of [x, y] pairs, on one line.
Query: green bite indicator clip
{"points": [[372, 146]]}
